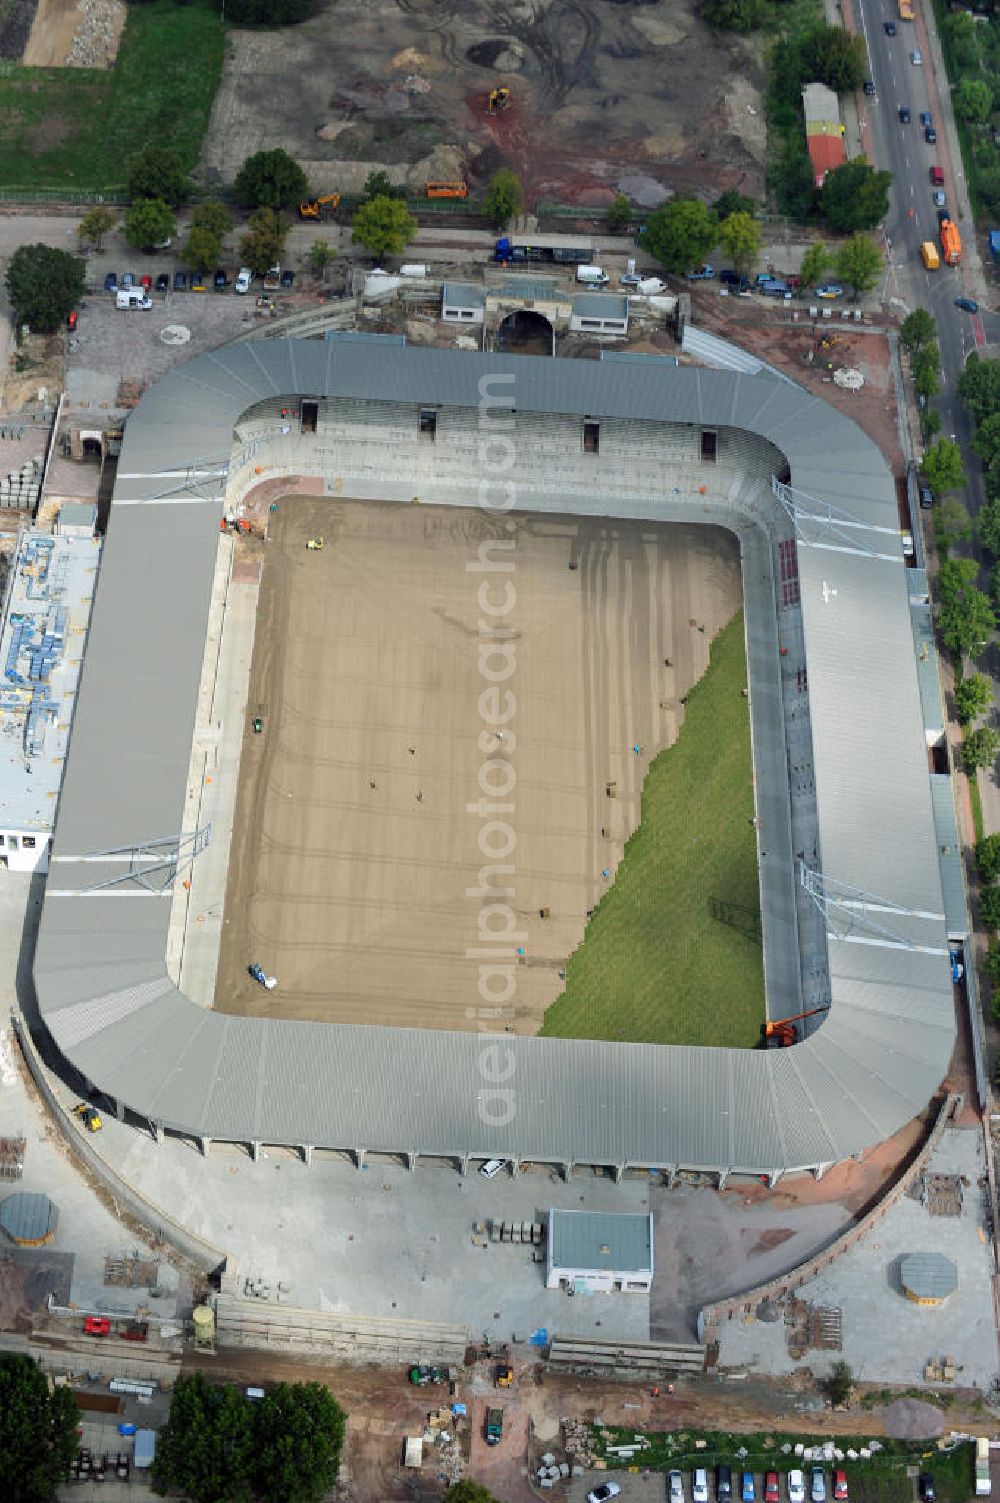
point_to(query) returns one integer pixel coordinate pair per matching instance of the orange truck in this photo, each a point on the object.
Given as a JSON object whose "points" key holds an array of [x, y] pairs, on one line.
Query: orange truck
{"points": [[447, 190], [951, 243], [905, 10]]}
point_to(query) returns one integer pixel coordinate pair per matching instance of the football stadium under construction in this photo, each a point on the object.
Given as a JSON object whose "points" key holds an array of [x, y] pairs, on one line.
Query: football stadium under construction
{"points": [[853, 908]]}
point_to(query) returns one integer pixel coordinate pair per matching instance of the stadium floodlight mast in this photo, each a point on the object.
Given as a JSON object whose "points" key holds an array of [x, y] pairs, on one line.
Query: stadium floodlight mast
{"points": [[819, 524], [848, 913], [202, 479], [152, 864]]}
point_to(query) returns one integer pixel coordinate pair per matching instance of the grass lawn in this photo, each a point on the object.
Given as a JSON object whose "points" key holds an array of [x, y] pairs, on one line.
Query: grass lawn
{"points": [[654, 966], [75, 128]]}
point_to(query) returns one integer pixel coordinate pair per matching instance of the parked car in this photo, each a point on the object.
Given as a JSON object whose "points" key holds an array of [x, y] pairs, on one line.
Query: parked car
{"points": [[904, 114], [145, 281], [930, 135], [796, 1487], [128, 279], [890, 28], [926, 1488], [198, 281], [829, 290], [163, 282], [491, 1167], [942, 215], [748, 1489], [287, 279], [723, 1483], [917, 58], [926, 497], [701, 274], [604, 1492], [72, 319], [675, 1487], [840, 1486], [180, 281], [939, 199], [164, 244], [926, 118], [221, 280], [630, 279], [869, 87], [111, 282], [967, 304], [772, 1491], [243, 280], [817, 1480], [699, 1485]]}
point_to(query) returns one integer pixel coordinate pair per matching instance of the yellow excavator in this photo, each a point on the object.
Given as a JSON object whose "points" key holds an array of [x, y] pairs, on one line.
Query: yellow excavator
{"points": [[498, 100], [323, 207], [315, 545]]}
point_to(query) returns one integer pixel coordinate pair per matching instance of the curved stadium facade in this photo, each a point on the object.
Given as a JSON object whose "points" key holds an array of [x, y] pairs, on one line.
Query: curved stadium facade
{"points": [[852, 910]]}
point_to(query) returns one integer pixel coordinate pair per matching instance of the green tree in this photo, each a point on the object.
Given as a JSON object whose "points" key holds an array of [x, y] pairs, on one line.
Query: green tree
{"points": [[988, 527], [855, 196], [261, 246], [503, 198], [298, 1435], [739, 233], [270, 180], [620, 214], [966, 623], [942, 468], [790, 175], [148, 223], [212, 216], [963, 41], [733, 202], [988, 857], [815, 263], [156, 172], [680, 234], [859, 262], [955, 577], [973, 101], [380, 185], [37, 1431], [925, 371], [839, 1384], [95, 224], [383, 227], [468, 1491], [202, 249], [930, 423], [952, 523], [979, 387], [319, 257], [43, 285], [205, 1450], [973, 697], [989, 899], [734, 15], [979, 749], [268, 12], [991, 965], [987, 440], [917, 329], [834, 57]]}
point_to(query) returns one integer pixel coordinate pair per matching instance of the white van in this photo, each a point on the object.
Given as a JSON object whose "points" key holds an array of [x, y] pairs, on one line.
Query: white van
{"points": [[133, 297], [592, 276], [244, 279], [491, 1167]]}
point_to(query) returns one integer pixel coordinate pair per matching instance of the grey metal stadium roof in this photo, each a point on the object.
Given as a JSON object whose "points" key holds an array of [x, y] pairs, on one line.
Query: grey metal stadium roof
{"points": [[102, 984]]}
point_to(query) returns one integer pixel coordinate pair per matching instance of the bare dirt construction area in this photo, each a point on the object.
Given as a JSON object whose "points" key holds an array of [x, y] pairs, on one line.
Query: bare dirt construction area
{"points": [[640, 97], [69, 34], [358, 846]]}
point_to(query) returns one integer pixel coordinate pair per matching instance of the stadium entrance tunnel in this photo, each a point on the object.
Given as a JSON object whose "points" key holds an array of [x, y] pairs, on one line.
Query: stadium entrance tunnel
{"points": [[526, 333], [825, 593]]}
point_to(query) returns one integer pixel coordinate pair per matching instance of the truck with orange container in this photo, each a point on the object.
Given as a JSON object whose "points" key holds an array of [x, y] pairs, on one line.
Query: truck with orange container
{"points": [[951, 243], [905, 10]]}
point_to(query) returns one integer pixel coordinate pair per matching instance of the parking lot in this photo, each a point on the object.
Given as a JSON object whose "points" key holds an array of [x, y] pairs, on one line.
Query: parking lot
{"points": [[131, 344]]}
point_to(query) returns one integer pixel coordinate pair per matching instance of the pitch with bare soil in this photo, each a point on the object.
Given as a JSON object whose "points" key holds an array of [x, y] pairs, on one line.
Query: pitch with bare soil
{"points": [[358, 825]]}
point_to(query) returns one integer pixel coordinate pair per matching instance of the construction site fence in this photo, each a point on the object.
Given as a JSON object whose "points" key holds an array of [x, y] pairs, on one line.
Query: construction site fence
{"points": [[710, 1316], [160, 1226]]}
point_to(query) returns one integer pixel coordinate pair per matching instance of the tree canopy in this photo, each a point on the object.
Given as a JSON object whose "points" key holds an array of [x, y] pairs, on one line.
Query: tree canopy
{"points": [[156, 172], [918, 328], [942, 468], [988, 856], [973, 697], [835, 57], [384, 227], [261, 246], [859, 262], [740, 234], [966, 617], [503, 198], [148, 223], [220, 1447], [979, 387], [95, 224], [270, 180], [37, 1431], [43, 285], [680, 234], [379, 184], [855, 196], [620, 213], [815, 263], [973, 100], [979, 749], [267, 12], [734, 15], [468, 1491]]}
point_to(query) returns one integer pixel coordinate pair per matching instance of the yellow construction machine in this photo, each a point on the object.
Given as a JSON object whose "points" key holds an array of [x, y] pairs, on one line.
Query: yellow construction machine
{"points": [[315, 545], [89, 1116], [498, 100], [323, 207]]}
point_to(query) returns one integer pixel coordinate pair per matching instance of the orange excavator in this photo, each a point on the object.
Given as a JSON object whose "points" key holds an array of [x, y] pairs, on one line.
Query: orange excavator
{"points": [[781, 1032]]}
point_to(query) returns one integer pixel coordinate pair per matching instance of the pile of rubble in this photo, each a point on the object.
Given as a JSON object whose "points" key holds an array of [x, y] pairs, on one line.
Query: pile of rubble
{"points": [[441, 1432], [578, 1442], [95, 44], [550, 1471]]}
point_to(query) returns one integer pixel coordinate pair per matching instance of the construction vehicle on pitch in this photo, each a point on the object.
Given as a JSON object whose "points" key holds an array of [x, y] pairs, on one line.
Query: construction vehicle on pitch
{"points": [[323, 207], [498, 100], [89, 1116], [315, 545], [504, 1376], [781, 1033], [493, 1430]]}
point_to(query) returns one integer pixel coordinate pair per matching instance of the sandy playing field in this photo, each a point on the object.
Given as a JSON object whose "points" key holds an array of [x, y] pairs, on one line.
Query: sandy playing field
{"points": [[359, 832]]}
